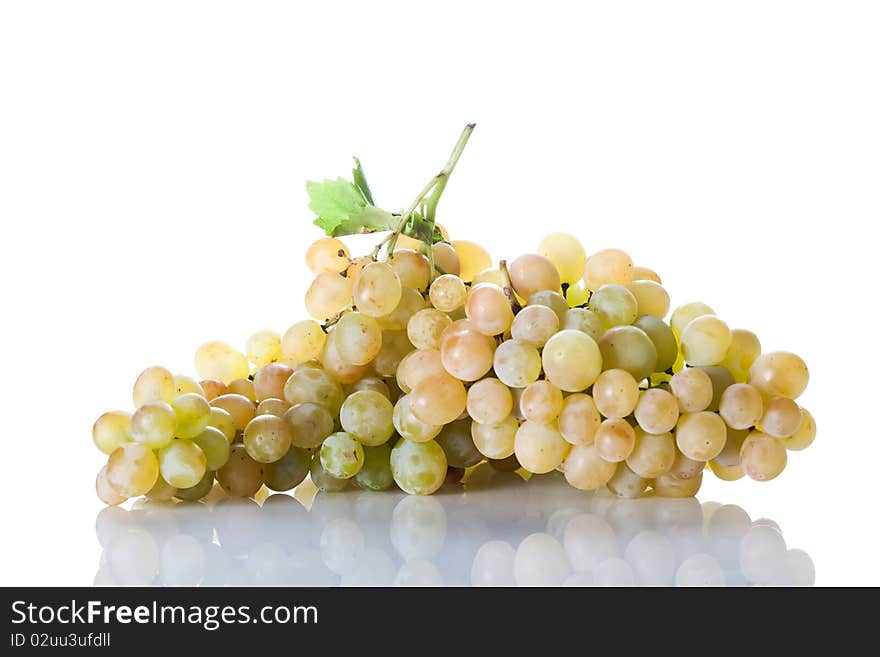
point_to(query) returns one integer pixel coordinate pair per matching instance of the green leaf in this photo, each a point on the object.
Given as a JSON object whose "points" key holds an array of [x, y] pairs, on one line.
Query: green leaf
{"points": [[422, 229], [360, 182], [334, 201]]}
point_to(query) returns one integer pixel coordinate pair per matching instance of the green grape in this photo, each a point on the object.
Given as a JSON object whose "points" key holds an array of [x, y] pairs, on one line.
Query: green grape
{"points": [[549, 299], [704, 341], [534, 325], [328, 295], [263, 347], [584, 320], [314, 385], [153, 425], [683, 315], [184, 384], [218, 360], [198, 491], [447, 293], [411, 427], [193, 414], [376, 471], [566, 253], [153, 384], [609, 266], [302, 342], [324, 481], [223, 422], [577, 295], [367, 415], [779, 374], [472, 259], [572, 361], [488, 309], [744, 350], [377, 290], [532, 273], [615, 305], [540, 448], [425, 328], [111, 430], [805, 434], [241, 476], [652, 298], [628, 348], [289, 471], [215, 446], [358, 338], [418, 468], [267, 438], [182, 463], [395, 347], [341, 455], [662, 337], [456, 441], [495, 441]]}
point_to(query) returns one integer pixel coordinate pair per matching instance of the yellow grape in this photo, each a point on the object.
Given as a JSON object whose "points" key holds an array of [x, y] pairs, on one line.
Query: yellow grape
{"points": [[272, 406], [700, 436], [656, 411], [106, 493], [239, 407], [269, 381], [626, 483], [472, 259], [628, 348], [263, 347], [412, 268], [367, 416], [267, 438], [667, 485], [685, 467], [781, 418], [577, 294], [652, 455], [411, 301], [495, 441], [489, 309], [132, 469], [241, 476], [447, 293], [311, 384], [467, 355], [184, 384], [532, 273], [358, 338], [446, 259], [585, 469], [218, 360], [566, 253], [243, 387], [411, 427], [395, 347], [223, 421], [610, 266], [572, 360], [377, 290], [438, 399], [741, 406], [534, 325], [615, 440], [664, 341], [153, 425], [805, 434], [309, 424], [762, 457], [371, 383], [692, 389], [585, 321], [652, 298], [684, 315], [327, 254], [779, 374], [336, 366], [729, 456], [615, 393], [304, 341], [489, 401], [161, 491], [540, 448], [645, 274], [615, 305], [418, 365], [744, 349], [579, 419], [418, 468], [193, 414], [154, 384], [425, 328], [213, 388], [182, 463], [113, 429], [541, 402], [704, 341], [517, 364], [726, 472], [328, 295], [492, 275]]}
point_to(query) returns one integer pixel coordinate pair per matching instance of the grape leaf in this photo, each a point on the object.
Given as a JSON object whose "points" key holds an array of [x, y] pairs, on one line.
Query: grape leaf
{"points": [[334, 201], [422, 229], [368, 219], [360, 182]]}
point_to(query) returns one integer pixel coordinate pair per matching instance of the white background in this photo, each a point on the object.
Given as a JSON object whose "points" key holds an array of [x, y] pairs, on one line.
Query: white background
{"points": [[152, 166]]}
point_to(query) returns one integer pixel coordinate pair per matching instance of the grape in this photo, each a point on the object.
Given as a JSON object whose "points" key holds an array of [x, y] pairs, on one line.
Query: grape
{"points": [[615, 440], [241, 476], [541, 402], [417, 366], [762, 457], [366, 415], [488, 308], [489, 401], [425, 328], [566, 254], [269, 381], [704, 341], [517, 364], [685, 467], [779, 374], [358, 338], [744, 349], [531, 273], [446, 259], [729, 456], [610, 266], [572, 360], [239, 407], [726, 472], [376, 471], [495, 441], [372, 383], [184, 384], [357, 265], [585, 469], [412, 268], [656, 411], [534, 325], [438, 399], [472, 259], [336, 366], [314, 385], [628, 348], [722, 379], [182, 463], [458, 445], [509, 464], [684, 315], [550, 299], [540, 448], [615, 393], [741, 406], [447, 293], [652, 455], [322, 479], [805, 434], [193, 414], [218, 360], [341, 455], [327, 254], [668, 486], [267, 438], [579, 419], [243, 387], [645, 274], [395, 347], [198, 491], [411, 427], [223, 421], [418, 468], [626, 483], [106, 493], [577, 295], [153, 425], [263, 347], [377, 290], [652, 298], [153, 384], [781, 417], [302, 342], [213, 388], [215, 446], [411, 301], [113, 429], [692, 389], [615, 305], [161, 491], [467, 355], [700, 436], [309, 424], [586, 321], [329, 294], [663, 338]]}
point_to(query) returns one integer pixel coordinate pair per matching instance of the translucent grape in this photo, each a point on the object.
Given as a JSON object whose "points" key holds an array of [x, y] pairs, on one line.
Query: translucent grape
{"points": [[652, 455], [585, 469], [446, 259], [358, 338], [615, 393], [223, 421], [491, 275], [153, 425], [489, 401], [314, 385], [540, 448], [566, 254], [626, 483], [781, 417], [304, 341], [692, 389], [327, 254], [741, 406], [417, 366], [805, 434], [395, 347], [663, 338], [685, 467], [541, 402], [458, 445], [762, 457], [372, 383], [184, 384], [517, 364], [577, 294], [263, 347], [704, 341], [323, 480], [586, 321], [113, 429], [652, 298], [472, 259], [412, 268], [645, 274], [267, 438], [510, 464], [722, 379], [579, 419], [656, 411], [700, 436], [197, 492], [269, 381], [411, 427], [571, 359], [366, 415], [615, 305], [193, 414], [328, 295], [106, 493], [425, 328], [467, 355], [726, 472], [531, 273], [309, 424], [377, 290], [376, 471], [244, 387], [241, 476], [447, 293], [239, 407], [213, 388], [341, 455], [610, 266], [668, 486], [744, 349], [779, 374], [615, 440], [628, 348], [488, 308], [276, 407], [684, 315], [495, 441], [411, 301], [729, 456], [215, 447], [418, 468], [534, 325], [154, 384], [438, 399], [338, 367], [182, 463], [161, 491], [552, 300]]}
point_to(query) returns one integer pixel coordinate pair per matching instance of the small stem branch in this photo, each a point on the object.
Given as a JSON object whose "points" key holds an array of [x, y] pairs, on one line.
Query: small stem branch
{"points": [[507, 287]]}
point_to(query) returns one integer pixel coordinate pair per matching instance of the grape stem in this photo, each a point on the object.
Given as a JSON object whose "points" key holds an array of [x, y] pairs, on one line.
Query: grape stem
{"points": [[429, 196], [507, 287]]}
